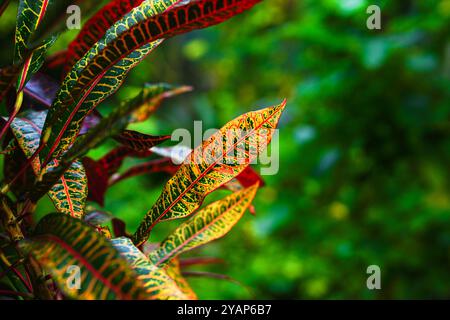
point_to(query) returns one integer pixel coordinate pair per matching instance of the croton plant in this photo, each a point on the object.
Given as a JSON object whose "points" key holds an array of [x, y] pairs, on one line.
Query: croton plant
{"points": [[51, 123]]}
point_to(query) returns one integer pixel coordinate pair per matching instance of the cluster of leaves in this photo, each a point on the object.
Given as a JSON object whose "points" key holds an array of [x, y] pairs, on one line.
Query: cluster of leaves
{"points": [[51, 127]]}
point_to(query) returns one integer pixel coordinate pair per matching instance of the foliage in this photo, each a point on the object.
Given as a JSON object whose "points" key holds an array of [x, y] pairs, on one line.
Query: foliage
{"points": [[364, 150], [52, 125]]}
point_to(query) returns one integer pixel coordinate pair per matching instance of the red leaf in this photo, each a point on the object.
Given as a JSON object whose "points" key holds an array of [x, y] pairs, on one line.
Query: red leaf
{"points": [[96, 27]]}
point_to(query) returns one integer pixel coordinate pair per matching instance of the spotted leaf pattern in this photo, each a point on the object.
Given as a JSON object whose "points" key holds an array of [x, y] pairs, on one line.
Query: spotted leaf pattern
{"points": [[67, 115], [95, 28], [141, 27], [158, 165], [61, 242], [156, 280], [70, 192], [120, 117], [210, 223], [211, 165], [29, 17]]}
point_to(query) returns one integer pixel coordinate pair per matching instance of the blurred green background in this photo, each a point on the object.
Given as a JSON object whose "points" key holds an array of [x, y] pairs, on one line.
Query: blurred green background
{"points": [[364, 152]]}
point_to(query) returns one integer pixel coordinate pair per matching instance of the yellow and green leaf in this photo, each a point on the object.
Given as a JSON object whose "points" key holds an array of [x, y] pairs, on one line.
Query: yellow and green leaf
{"points": [[63, 245], [108, 126], [94, 29], [156, 280], [173, 270], [70, 192], [8, 76], [211, 165], [29, 17], [210, 223], [139, 141]]}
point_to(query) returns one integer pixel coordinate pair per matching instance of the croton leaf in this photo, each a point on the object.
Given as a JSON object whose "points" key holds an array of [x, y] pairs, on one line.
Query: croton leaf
{"points": [[70, 192], [29, 17], [61, 242], [156, 280], [3, 5], [12, 164], [120, 117], [158, 165], [8, 76], [105, 84], [178, 154], [128, 112], [94, 29], [41, 89], [210, 223], [33, 62], [139, 141], [22, 72], [173, 270], [139, 28], [218, 160]]}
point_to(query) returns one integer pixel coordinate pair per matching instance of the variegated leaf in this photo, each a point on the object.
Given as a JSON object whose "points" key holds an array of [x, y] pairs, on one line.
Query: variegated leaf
{"points": [[139, 141], [173, 270], [218, 160], [120, 117], [156, 280], [29, 17], [70, 192], [210, 223]]}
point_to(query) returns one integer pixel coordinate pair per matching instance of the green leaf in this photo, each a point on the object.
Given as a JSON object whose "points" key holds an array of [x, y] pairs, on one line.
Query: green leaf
{"points": [[152, 166], [29, 17], [138, 28], [208, 224], [156, 280], [218, 160], [61, 242], [70, 192]]}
